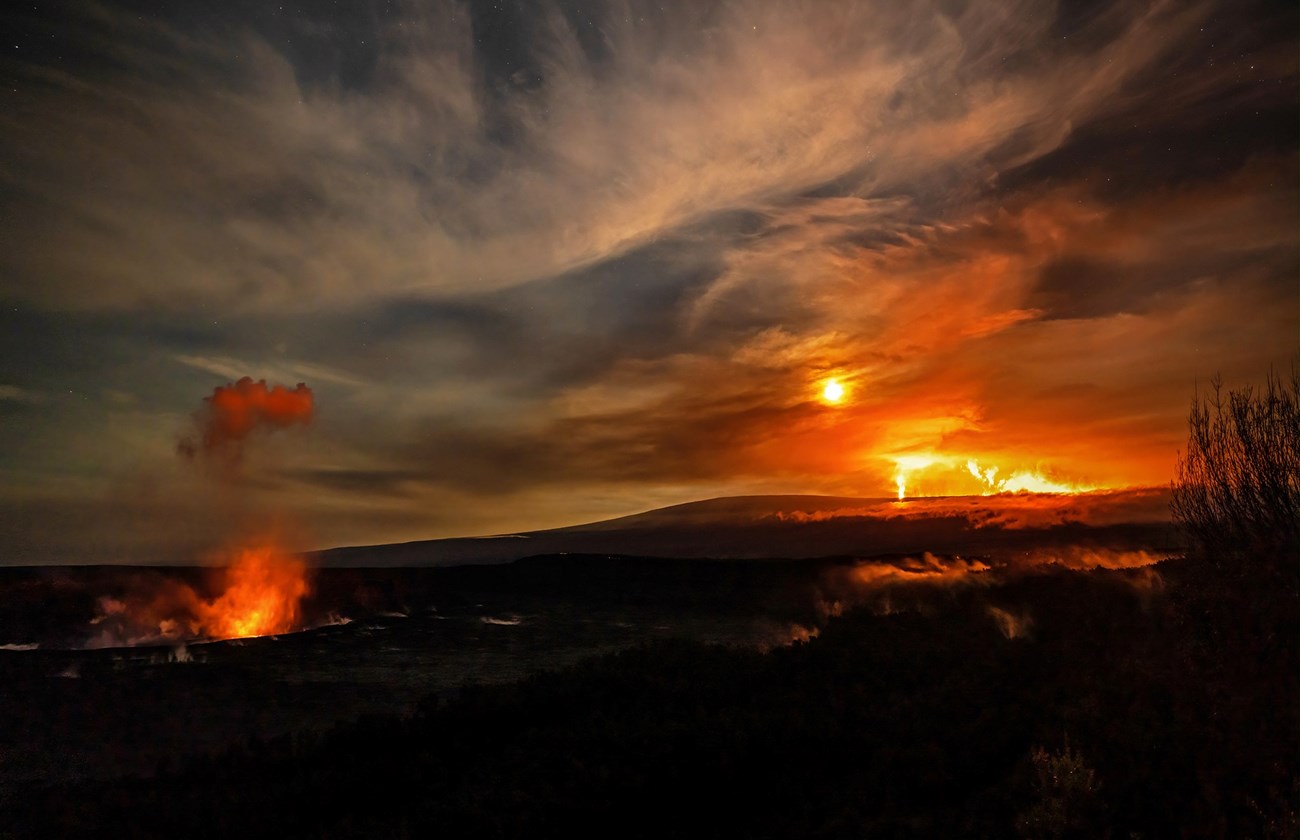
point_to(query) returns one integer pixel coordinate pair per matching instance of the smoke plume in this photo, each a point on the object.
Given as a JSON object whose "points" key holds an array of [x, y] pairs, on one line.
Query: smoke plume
{"points": [[236, 410]]}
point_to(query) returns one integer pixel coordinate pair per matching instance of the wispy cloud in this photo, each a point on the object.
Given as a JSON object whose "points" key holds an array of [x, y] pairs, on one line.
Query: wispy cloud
{"points": [[14, 394], [277, 371], [206, 172], [613, 249]]}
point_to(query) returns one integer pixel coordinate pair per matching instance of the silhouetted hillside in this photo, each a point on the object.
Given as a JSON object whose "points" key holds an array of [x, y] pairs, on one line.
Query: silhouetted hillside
{"points": [[752, 527]]}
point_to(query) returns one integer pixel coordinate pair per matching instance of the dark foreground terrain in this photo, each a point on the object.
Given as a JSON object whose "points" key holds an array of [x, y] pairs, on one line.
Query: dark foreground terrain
{"points": [[1049, 703], [79, 700]]}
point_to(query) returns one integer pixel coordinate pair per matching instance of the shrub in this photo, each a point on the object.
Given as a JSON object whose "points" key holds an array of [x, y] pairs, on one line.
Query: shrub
{"points": [[1065, 800], [1236, 491]]}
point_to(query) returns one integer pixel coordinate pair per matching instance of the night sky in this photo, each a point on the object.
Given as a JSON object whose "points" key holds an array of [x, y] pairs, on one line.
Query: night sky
{"points": [[548, 262]]}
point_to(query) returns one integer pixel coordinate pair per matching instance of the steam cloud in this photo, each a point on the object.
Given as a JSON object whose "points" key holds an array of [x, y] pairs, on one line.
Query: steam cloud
{"points": [[236, 410]]}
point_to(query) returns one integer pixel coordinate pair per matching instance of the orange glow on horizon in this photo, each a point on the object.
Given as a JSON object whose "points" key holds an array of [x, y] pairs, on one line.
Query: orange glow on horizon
{"points": [[1023, 481], [947, 477]]}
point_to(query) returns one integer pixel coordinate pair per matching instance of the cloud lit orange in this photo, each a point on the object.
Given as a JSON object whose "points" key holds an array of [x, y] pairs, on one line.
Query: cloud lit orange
{"points": [[620, 266]]}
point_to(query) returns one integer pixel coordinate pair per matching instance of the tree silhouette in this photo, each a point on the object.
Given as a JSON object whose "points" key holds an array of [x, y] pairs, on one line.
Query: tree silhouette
{"points": [[1236, 492]]}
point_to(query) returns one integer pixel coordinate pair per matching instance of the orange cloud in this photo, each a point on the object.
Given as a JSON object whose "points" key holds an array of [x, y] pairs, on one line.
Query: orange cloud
{"points": [[234, 411]]}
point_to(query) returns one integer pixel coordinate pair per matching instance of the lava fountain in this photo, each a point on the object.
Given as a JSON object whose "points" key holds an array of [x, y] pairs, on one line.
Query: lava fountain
{"points": [[263, 596], [259, 593]]}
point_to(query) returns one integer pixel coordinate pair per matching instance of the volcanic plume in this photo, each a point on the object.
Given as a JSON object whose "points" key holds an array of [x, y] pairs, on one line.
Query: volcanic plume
{"points": [[261, 588], [236, 410]]}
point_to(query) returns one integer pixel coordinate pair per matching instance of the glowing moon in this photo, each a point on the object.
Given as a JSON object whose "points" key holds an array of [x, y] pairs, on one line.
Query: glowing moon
{"points": [[833, 392]]}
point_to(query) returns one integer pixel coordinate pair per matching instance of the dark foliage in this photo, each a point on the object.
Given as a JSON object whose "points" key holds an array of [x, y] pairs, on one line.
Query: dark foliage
{"points": [[1237, 489]]}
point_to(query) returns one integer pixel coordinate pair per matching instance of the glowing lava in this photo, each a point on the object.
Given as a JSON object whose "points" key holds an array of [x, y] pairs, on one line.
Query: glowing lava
{"points": [[1022, 481], [262, 597], [950, 478], [908, 463], [260, 594]]}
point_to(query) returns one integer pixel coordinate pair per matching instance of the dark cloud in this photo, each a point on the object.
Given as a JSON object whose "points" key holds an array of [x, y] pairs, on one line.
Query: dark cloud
{"points": [[692, 443]]}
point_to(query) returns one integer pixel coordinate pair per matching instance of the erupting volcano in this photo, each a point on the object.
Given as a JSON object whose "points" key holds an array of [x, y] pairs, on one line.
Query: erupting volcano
{"points": [[261, 588], [259, 593], [951, 476], [263, 594]]}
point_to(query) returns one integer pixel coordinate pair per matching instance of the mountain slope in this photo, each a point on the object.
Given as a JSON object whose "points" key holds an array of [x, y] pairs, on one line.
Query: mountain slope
{"points": [[752, 527]]}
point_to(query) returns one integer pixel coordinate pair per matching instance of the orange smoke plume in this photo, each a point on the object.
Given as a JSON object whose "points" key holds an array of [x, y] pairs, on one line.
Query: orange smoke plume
{"points": [[153, 612], [235, 410]]}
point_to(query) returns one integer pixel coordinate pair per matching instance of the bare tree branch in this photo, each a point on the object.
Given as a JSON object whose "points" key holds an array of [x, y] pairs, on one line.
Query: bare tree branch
{"points": [[1236, 491]]}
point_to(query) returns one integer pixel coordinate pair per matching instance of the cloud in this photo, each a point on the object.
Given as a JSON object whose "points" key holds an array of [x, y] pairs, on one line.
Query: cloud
{"points": [[606, 252], [22, 396], [199, 171], [283, 370]]}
